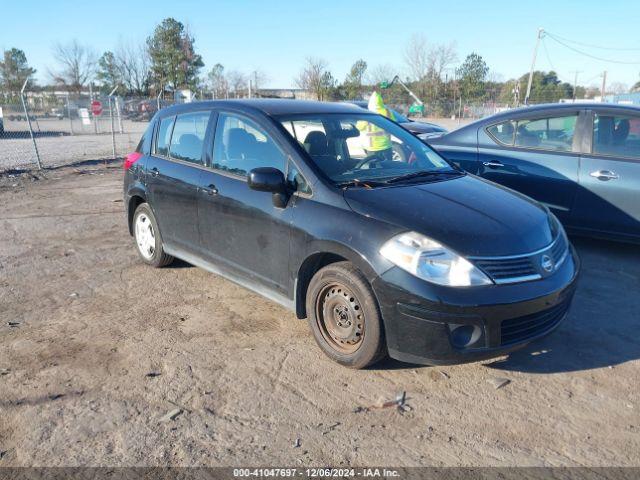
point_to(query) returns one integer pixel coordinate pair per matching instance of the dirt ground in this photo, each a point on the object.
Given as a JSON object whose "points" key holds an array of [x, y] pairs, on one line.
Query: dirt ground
{"points": [[96, 349]]}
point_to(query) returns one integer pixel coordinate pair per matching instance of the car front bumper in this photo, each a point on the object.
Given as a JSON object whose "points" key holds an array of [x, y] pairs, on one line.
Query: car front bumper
{"points": [[430, 324]]}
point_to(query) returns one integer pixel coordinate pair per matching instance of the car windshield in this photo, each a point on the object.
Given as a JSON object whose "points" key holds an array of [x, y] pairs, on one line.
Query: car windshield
{"points": [[359, 148]]}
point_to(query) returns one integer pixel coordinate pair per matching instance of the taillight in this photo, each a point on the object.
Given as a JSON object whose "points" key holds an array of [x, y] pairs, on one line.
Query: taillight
{"points": [[131, 159]]}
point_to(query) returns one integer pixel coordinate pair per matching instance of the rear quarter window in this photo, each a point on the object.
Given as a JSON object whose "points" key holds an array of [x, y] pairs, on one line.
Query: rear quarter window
{"points": [[164, 136], [144, 145], [503, 132]]}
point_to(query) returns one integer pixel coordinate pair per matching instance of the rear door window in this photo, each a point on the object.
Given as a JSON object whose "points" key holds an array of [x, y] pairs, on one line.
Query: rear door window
{"points": [[188, 136], [550, 133], [616, 135], [164, 136]]}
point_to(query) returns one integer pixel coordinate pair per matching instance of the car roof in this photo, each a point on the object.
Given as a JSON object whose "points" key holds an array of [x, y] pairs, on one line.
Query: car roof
{"points": [[269, 106], [546, 107]]}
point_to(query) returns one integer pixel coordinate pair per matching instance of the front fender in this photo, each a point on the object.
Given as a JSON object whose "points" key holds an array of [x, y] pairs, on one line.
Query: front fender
{"points": [[360, 260]]}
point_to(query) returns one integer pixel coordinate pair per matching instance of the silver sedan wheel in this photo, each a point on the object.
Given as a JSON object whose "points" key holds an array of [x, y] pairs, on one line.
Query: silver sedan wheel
{"points": [[145, 236]]}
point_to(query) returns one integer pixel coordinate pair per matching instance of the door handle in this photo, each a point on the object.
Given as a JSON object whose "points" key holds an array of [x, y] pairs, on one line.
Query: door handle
{"points": [[209, 190], [155, 172], [493, 164], [604, 175]]}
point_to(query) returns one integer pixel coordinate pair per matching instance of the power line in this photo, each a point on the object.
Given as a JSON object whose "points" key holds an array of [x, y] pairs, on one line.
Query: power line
{"points": [[621, 49], [595, 57], [553, 69], [544, 45], [599, 75]]}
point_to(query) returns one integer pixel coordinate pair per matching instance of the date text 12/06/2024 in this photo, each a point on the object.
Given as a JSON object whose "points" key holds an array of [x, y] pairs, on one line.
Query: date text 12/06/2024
{"points": [[316, 472]]}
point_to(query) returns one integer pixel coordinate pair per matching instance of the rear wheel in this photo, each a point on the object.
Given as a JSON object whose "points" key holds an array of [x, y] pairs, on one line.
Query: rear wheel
{"points": [[344, 316], [148, 239]]}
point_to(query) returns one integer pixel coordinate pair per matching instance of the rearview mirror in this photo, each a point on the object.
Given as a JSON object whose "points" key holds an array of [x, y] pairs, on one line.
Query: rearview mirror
{"points": [[349, 131], [269, 179]]}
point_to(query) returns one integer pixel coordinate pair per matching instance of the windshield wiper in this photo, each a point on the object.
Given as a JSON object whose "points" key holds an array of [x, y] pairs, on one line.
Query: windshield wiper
{"points": [[361, 183], [423, 173]]}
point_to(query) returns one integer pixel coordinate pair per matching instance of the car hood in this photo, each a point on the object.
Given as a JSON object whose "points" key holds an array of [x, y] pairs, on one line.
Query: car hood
{"points": [[470, 215], [422, 127]]}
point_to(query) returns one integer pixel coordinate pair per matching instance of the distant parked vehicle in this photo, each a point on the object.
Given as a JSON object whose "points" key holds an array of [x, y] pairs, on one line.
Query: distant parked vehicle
{"points": [[57, 113], [580, 160], [423, 130], [20, 117], [140, 110]]}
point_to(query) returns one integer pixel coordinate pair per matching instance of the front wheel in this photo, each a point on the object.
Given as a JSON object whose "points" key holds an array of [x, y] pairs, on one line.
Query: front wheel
{"points": [[344, 316]]}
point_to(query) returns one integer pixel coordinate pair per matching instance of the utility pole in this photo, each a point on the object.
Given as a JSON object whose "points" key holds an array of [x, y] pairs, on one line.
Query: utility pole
{"points": [[533, 64], [575, 82], [604, 85]]}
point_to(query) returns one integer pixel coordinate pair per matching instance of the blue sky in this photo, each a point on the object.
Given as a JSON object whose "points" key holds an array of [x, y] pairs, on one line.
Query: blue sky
{"points": [[276, 36]]}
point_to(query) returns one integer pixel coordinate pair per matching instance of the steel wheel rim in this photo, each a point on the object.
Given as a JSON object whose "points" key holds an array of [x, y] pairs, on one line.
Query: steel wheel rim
{"points": [[340, 318], [145, 236]]}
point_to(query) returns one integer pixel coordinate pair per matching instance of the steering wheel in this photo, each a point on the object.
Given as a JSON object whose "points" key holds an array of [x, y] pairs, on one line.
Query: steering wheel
{"points": [[367, 161]]}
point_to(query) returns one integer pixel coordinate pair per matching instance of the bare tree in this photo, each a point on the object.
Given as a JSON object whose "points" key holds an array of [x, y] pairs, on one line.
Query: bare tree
{"points": [[133, 63], [237, 81], [313, 77], [218, 81], [440, 58], [258, 79], [617, 88], [380, 73], [427, 64], [495, 77], [77, 64], [416, 57]]}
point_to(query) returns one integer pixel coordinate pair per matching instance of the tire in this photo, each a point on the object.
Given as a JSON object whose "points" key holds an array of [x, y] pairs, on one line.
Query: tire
{"points": [[352, 335], [148, 238]]}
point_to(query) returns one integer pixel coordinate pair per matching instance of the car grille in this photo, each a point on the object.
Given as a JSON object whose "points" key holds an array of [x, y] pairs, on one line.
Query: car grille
{"points": [[522, 268], [518, 329], [506, 270]]}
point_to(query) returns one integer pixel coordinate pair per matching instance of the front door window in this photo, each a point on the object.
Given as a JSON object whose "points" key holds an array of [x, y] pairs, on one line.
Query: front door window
{"points": [[240, 145]]}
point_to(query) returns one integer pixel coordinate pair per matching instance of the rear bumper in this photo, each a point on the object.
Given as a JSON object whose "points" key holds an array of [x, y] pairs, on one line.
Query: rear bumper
{"points": [[429, 324]]}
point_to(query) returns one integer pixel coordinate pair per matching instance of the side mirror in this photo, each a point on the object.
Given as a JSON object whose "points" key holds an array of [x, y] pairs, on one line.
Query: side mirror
{"points": [[269, 179]]}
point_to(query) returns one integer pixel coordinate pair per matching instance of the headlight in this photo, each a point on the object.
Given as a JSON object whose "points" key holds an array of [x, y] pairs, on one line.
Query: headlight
{"points": [[427, 259], [555, 225]]}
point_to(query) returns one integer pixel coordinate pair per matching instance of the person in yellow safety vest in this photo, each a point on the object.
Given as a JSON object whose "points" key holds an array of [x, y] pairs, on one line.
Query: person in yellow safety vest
{"points": [[376, 140]]}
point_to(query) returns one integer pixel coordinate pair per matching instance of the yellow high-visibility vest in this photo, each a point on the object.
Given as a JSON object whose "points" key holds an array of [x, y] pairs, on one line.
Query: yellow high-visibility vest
{"points": [[375, 138]]}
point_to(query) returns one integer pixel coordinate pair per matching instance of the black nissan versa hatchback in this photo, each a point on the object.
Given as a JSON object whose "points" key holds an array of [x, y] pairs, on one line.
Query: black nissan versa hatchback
{"points": [[408, 255]]}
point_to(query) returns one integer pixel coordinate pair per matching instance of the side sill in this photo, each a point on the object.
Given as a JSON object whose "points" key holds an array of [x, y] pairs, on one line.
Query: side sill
{"points": [[243, 282]]}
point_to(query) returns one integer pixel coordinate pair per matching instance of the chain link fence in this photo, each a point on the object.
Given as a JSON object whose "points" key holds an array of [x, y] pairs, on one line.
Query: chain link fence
{"points": [[16, 143], [49, 129]]}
